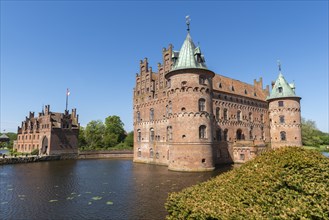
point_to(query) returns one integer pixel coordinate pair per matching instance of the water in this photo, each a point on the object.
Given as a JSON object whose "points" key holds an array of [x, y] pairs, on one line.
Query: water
{"points": [[90, 189]]}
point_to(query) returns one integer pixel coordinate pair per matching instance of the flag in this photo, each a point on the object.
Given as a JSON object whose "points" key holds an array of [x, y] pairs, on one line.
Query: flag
{"points": [[67, 92]]}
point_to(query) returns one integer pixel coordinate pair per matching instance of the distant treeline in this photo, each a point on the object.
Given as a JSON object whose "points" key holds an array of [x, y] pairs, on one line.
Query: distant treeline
{"points": [[108, 135], [311, 136]]}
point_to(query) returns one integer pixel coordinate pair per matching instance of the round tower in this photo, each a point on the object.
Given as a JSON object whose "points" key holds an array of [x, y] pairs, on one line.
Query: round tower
{"points": [[189, 110], [284, 114]]}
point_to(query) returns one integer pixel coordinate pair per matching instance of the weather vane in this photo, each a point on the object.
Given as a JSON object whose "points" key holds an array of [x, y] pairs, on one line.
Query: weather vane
{"points": [[279, 65], [188, 21]]}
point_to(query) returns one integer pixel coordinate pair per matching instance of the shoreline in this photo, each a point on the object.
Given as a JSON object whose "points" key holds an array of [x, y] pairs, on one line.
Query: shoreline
{"points": [[100, 154]]}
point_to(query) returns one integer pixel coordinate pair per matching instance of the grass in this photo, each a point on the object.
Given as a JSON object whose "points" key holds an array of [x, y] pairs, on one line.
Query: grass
{"points": [[322, 148]]}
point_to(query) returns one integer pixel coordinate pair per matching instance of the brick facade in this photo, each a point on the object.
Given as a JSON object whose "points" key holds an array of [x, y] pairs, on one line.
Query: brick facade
{"points": [[51, 132], [191, 119]]}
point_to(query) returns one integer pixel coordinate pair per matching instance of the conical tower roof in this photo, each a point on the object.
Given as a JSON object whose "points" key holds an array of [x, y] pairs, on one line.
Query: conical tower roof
{"points": [[282, 89], [189, 56]]}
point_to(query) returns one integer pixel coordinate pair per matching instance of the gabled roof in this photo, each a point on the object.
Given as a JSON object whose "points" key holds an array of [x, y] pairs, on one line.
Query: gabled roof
{"points": [[189, 56], [282, 89]]}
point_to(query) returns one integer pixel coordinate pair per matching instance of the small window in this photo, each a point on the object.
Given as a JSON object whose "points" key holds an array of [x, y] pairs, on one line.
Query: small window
{"points": [[251, 137], [151, 153], [245, 92], [170, 107], [183, 83], [225, 114], [151, 134], [202, 103], [232, 88], [169, 133], [202, 80], [139, 135], [250, 116], [225, 135], [217, 113], [219, 85], [238, 115], [283, 136], [281, 119], [280, 103], [151, 114], [241, 156], [219, 135], [262, 118], [169, 83], [202, 132], [138, 117], [280, 90], [139, 152]]}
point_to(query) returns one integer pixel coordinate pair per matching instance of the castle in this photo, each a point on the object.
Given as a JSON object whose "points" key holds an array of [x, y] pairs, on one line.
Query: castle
{"points": [[52, 133], [189, 118]]}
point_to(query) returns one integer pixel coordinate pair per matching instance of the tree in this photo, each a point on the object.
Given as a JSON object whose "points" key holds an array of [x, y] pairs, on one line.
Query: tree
{"points": [[82, 137], [94, 134], [12, 137], [114, 131], [129, 141], [311, 136]]}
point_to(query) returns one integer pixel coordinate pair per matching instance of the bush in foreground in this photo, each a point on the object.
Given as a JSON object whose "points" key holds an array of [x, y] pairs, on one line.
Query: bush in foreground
{"points": [[288, 183]]}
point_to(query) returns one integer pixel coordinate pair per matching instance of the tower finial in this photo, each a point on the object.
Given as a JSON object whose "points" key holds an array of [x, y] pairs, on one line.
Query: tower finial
{"points": [[188, 21], [279, 65]]}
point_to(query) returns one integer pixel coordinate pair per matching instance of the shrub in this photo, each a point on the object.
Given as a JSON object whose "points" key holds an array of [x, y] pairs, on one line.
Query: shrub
{"points": [[288, 183], [35, 152]]}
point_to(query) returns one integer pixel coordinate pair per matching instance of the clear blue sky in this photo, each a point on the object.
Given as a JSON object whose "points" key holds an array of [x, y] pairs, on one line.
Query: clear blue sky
{"points": [[94, 48]]}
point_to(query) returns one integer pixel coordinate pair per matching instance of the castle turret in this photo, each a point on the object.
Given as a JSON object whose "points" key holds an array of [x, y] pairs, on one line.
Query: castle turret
{"points": [[284, 114], [189, 110]]}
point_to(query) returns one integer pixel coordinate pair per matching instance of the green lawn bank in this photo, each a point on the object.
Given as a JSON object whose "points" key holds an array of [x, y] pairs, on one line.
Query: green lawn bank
{"points": [[288, 183]]}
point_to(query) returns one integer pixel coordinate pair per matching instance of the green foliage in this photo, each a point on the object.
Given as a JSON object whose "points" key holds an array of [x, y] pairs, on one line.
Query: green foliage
{"points": [[129, 141], [35, 152], [114, 131], [288, 183], [311, 136], [12, 137], [94, 134], [102, 136]]}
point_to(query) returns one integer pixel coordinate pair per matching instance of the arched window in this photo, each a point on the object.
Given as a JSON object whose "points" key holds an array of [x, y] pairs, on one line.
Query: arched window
{"points": [[283, 136], [138, 117], [170, 107], [225, 114], [169, 133], [281, 119], [239, 134], [151, 134], [202, 105], [151, 114], [151, 153], [139, 152], [202, 132], [238, 115], [202, 80], [219, 135], [217, 113], [139, 135], [225, 135], [251, 134]]}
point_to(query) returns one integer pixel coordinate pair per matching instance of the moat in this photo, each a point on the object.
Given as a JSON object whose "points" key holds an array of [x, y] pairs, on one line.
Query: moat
{"points": [[90, 189]]}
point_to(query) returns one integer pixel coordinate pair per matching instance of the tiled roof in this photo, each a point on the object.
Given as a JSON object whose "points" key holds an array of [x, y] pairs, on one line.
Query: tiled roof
{"points": [[189, 56], [282, 89]]}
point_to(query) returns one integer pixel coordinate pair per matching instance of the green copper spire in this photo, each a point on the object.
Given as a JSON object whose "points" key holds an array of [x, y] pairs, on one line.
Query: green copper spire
{"points": [[189, 56], [282, 88]]}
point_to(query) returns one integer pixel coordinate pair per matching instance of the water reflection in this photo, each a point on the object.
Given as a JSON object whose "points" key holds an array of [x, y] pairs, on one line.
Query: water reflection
{"points": [[90, 189]]}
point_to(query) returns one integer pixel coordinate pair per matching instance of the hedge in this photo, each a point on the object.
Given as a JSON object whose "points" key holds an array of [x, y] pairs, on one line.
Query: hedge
{"points": [[288, 183]]}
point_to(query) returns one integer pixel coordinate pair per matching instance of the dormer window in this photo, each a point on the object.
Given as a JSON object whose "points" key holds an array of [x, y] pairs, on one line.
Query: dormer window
{"points": [[219, 85], [202, 80], [280, 89]]}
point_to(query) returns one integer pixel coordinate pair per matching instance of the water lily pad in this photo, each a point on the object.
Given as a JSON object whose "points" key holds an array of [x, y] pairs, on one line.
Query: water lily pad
{"points": [[109, 203], [2, 203], [73, 193], [89, 203], [96, 198], [69, 198], [53, 200], [10, 189], [21, 196]]}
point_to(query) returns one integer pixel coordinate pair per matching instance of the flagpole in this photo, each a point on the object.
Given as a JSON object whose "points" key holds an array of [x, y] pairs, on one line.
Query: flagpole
{"points": [[67, 98]]}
